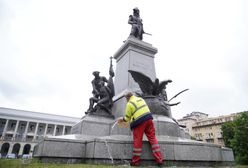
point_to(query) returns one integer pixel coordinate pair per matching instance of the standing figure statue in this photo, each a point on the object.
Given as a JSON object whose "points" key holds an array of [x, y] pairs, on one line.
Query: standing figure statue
{"points": [[103, 92], [97, 83], [137, 25]]}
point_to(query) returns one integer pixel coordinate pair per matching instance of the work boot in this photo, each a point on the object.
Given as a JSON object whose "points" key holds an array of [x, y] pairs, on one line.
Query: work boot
{"points": [[160, 164]]}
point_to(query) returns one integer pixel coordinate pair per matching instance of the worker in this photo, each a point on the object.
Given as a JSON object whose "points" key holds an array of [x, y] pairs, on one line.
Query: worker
{"points": [[141, 121]]}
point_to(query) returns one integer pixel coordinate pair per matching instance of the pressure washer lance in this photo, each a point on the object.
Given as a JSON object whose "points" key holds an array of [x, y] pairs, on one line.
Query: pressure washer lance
{"points": [[120, 124]]}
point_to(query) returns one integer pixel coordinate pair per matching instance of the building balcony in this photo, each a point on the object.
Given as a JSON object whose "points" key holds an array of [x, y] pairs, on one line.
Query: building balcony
{"points": [[10, 131], [207, 138], [30, 133], [18, 139], [7, 138], [210, 140], [12, 139], [199, 138]]}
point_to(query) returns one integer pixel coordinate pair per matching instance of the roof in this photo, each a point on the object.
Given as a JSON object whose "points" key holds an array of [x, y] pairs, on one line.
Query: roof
{"points": [[16, 114]]}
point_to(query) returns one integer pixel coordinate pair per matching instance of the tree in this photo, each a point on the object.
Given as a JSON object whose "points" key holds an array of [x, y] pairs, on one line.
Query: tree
{"points": [[235, 135], [227, 133], [240, 139]]}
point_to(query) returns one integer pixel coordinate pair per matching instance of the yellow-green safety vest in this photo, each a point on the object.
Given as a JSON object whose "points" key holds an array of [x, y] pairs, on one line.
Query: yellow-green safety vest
{"points": [[136, 108]]}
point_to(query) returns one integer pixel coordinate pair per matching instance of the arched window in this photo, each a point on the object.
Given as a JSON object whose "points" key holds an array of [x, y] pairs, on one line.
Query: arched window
{"points": [[26, 149], [5, 149], [16, 149]]}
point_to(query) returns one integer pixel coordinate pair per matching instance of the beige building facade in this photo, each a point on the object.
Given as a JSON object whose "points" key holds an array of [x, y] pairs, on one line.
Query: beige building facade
{"points": [[190, 119], [204, 128], [21, 130]]}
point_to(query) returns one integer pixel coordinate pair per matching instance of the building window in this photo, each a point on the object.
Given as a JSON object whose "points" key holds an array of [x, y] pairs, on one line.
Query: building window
{"points": [[22, 127], [40, 128], [31, 127], [12, 125], [49, 129], [29, 138], [210, 140]]}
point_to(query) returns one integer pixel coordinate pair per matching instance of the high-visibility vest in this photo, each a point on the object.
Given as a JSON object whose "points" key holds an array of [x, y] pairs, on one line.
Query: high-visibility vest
{"points": [[135, 109]]}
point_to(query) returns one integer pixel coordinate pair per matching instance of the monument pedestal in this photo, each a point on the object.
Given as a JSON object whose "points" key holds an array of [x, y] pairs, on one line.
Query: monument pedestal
{"points": [[133, 55], [100, 141], [97, 139]]}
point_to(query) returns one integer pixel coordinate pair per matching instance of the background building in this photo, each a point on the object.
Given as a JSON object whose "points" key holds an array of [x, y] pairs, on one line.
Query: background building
{"points": [[203, 128], [190, 119], [21, 130]]}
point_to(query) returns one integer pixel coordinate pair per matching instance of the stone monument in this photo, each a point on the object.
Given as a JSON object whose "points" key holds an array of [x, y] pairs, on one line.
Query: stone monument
{"points": [[98, 139]]}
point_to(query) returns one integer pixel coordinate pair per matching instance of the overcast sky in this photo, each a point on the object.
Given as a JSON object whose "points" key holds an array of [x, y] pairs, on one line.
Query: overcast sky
{"points": [[49, 49]]}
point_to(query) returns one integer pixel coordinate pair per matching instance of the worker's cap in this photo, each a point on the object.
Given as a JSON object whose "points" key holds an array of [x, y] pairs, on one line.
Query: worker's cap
{"points": [[96, 73]]}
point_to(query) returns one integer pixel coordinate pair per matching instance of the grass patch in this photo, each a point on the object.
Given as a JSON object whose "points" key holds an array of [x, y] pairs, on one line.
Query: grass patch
{"points": [[19, 163], [35, 163]]}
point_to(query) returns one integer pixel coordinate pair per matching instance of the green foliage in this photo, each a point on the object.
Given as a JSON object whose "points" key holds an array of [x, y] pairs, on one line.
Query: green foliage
{"points": [[240, 139], [34, 163], [235, 135], [18, 163], [227, 133]]}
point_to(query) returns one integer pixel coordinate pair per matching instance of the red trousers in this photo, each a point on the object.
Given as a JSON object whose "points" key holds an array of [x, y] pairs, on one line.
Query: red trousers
{"points": [[146, 127]]}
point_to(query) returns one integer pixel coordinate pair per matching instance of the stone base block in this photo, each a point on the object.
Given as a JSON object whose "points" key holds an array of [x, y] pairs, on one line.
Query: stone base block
{"points": [[93, 125], [102, 126], [68, 146], [117, 149]]}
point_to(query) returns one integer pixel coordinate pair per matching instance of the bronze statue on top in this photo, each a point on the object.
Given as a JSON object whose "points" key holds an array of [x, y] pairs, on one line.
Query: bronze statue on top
{"points": [[103, 92], [137, 30]]}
